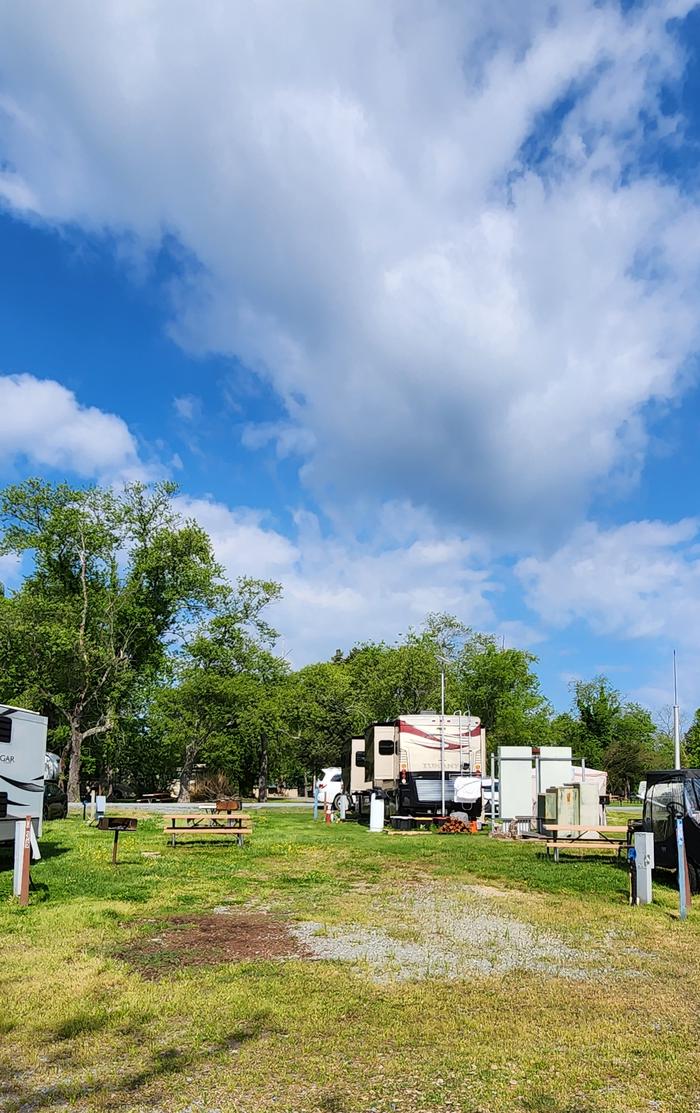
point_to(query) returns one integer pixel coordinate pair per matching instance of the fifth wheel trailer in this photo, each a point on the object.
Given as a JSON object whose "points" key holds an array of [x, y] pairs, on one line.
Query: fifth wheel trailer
{"points": [[22, 768], [404, 759]]}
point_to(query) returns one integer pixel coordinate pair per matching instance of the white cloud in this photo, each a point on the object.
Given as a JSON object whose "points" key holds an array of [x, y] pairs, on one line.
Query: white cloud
{"points": [[339, 592], [44, 425], [242, 542], [188, 407], [639, 580], [442, 317]]}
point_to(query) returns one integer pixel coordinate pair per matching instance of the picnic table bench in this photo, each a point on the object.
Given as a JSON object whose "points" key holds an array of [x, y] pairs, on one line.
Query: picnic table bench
{"points": [[178, 825], [582, 836]]}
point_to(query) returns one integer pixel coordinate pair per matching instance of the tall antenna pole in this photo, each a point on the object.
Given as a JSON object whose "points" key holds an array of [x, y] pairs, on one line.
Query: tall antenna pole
{"points": [[676, 720], [442, 740]]}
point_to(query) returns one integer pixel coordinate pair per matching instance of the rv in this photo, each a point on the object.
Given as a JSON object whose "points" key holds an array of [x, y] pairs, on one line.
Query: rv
{"points": [[403, 760], [354, 773], [22, 768]]}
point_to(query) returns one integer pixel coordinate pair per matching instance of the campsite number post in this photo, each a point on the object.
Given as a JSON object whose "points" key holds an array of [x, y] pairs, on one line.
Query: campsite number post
{"points": [[26, 851]]}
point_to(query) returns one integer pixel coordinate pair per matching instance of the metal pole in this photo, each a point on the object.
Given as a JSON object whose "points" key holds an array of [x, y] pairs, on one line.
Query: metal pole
{"points": [[493, 793], [315, 797], [676, 720], [442, 740], [682, 871]]}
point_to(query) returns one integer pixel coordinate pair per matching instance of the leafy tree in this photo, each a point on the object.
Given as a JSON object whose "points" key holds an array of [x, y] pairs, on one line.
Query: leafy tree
{"points": [[388, 681], [566, 730], [691, 742], [613, 735], [115, 577], [225, 706], [500, 686], [321, 713], [599, 707], [631, 750]]}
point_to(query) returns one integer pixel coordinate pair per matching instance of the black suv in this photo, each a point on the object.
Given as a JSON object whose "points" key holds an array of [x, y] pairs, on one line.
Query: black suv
{"points": [[672, 794], [55, 801]]}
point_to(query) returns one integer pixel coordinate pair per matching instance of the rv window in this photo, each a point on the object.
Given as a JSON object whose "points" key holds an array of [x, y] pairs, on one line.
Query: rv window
{"points": [[5, 728], [360, 759], [337, 777], [386, 747]]}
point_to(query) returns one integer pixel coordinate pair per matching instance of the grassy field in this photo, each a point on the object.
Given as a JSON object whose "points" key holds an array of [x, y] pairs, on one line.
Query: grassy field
{"points": [[114, 995]]}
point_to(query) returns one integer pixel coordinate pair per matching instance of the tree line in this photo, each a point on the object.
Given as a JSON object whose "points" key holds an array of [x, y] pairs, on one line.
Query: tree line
{"points": [[152, 667]]}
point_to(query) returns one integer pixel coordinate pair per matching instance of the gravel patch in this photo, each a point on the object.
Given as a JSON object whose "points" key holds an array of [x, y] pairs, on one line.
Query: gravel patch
{"points": [[453, 939]]}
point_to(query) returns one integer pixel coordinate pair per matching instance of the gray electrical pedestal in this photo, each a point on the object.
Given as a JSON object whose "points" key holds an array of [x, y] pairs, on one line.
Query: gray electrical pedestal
{"points": [[644, 848]]}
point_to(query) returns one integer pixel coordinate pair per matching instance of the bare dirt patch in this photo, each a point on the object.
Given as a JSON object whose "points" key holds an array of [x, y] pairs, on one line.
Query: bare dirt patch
{"points": [[207, 940]]}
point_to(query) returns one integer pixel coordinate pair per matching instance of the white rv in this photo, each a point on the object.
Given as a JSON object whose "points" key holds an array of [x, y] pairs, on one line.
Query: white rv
{"points": [[403, 759], [22, 768], [355, 782]]}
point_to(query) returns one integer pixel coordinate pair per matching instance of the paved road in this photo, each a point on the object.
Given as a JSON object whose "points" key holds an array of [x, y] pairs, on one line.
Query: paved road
{"points": [[157, 809]]}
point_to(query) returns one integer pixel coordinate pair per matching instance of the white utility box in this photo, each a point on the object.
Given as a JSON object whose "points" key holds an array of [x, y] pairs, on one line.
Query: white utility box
{"points": [[644, 864]]}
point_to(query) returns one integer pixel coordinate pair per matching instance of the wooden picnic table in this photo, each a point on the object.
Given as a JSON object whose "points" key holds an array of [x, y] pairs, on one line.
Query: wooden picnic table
{"points": [[220, 823], [576, 839]]}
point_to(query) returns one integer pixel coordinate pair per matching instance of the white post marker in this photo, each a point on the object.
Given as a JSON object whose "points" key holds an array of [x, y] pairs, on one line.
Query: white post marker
{"points": [[19, 857]]}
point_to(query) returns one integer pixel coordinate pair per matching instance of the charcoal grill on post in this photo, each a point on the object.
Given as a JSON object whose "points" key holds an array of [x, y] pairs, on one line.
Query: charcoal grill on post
{"points": [[116, 823]]}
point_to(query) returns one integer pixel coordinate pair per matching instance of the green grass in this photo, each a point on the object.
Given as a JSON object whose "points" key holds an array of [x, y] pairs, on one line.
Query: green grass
{"points": [[82, 1028]]}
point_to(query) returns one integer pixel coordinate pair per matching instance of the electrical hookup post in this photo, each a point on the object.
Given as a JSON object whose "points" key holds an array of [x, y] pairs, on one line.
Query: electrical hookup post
{"points": [[683, 879], [26, 848], [640, 856]]}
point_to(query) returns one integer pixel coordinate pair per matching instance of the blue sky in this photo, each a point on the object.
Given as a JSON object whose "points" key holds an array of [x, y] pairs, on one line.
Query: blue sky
{"points": [[405, 297]]}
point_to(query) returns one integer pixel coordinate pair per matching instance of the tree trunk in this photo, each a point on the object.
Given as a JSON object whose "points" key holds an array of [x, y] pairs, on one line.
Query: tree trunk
{"points": [[183, 795], [76, 744], [63, 765], [186, 771], [262, 779]]}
